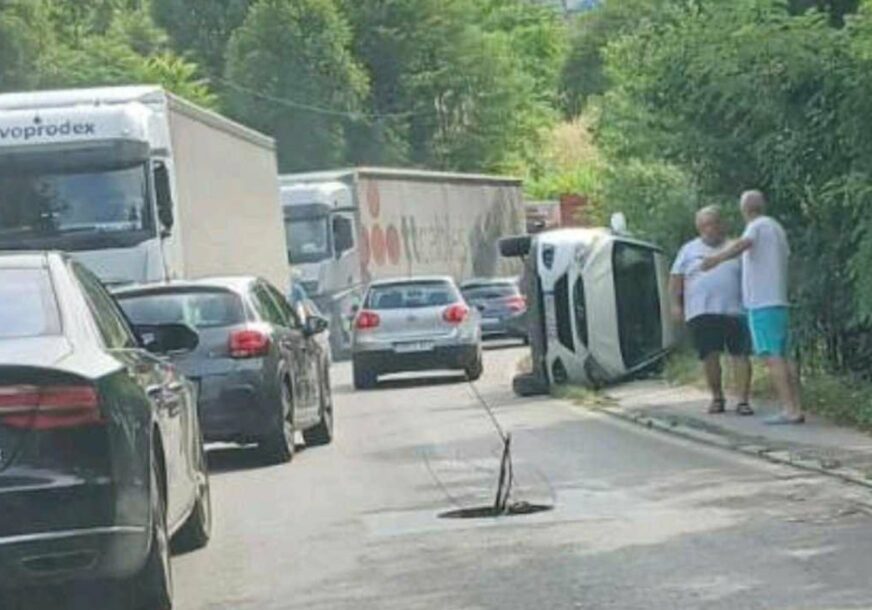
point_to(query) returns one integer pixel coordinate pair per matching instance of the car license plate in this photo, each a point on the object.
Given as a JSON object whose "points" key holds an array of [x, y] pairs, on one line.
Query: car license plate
{"points": [[413, 346], [490, 321]]}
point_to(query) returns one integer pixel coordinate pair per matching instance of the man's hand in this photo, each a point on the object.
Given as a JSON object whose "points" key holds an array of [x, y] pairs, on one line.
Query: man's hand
{"points": [[678, 314], [710, 262]]}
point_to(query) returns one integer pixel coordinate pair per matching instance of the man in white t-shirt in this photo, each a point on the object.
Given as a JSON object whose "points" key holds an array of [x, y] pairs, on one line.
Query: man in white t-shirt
{"points": [[765, 253], [711, 304]]}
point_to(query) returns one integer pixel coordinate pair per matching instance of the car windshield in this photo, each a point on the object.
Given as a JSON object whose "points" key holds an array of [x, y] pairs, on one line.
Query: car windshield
{"points": [[308, 239], [487, 292], [198, 309], [27, 304], [44, 205], [411, 295]]}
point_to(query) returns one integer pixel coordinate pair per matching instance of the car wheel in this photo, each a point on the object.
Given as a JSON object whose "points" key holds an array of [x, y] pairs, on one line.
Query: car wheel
{"points": [[278, 447], [475, 370], [152, 587], [322, 434], [364, 379], [197, 530]]}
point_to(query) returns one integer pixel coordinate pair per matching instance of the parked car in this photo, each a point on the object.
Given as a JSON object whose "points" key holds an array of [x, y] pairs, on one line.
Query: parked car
{"points": [[502, 307], [414, 324], [261, 370], [101, 456]]}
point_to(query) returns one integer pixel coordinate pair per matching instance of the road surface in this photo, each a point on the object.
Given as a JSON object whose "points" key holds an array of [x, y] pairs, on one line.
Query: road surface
{"points": [[639, 520]]}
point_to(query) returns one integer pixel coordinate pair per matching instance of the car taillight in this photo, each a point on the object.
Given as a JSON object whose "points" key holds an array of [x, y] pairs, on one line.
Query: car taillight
{"points": [[455, 314], [49, 407], [367, 320], [516, 303], [248, 343]]}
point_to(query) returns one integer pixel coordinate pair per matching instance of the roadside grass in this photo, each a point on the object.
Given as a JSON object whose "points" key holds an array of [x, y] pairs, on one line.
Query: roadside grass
{"points": [[841, 399], [585, 397]]}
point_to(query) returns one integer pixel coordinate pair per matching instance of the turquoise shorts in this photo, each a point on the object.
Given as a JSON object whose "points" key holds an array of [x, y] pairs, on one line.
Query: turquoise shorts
{"points": [[770, 331]]}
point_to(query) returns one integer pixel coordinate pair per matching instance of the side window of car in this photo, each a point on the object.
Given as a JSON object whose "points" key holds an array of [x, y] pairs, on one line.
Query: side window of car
{"points": [[267, 307], [290, 313], [110, 321]]}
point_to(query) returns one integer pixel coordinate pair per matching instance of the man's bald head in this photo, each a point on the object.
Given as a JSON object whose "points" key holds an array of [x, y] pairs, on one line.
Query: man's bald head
{"points": [[752, 204]]}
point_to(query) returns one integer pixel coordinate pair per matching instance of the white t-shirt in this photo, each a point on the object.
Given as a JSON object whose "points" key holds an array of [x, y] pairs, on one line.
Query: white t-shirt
{"points": [[716, 291], [764, 264]]}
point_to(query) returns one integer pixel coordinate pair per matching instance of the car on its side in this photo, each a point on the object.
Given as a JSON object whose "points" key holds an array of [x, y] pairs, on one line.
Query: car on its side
{"points": [[501, 304], [261, 371], [414, 324], [101, 455]]}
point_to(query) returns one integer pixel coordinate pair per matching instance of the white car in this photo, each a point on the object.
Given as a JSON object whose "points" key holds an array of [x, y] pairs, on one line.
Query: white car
{"points": [[415, 324]]}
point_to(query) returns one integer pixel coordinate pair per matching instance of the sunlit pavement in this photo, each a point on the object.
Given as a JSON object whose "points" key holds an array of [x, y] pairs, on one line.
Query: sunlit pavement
{"points": [[639, 520]]}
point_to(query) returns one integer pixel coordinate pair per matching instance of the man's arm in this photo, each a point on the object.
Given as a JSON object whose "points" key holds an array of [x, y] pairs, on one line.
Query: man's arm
{"points": [[676, 293], [734, 250]]}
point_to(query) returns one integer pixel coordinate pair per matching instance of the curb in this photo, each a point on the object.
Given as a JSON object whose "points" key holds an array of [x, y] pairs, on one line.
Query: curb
{"points": [[776, 456]]}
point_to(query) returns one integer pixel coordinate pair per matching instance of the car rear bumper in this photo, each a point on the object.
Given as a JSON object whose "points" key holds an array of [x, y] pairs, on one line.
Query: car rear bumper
{"points": [[507, 326], [234, 406], [452, 357], [52, 557]]}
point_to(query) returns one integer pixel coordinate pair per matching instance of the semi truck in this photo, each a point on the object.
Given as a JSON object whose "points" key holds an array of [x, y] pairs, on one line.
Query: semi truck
{"points": [[348, 227], [138, 184]]}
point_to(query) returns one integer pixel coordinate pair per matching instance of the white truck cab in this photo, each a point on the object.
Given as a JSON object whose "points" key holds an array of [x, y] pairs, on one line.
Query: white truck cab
{"points": [[601, 309]]}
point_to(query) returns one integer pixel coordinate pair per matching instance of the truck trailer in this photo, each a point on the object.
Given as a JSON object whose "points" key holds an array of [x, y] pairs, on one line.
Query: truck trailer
{"points": [[349, 227], [139, 185]]}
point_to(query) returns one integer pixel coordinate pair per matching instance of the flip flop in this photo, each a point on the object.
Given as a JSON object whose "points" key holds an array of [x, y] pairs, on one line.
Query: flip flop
{"points": [[784, 419], [717, 406], [743, 408]]}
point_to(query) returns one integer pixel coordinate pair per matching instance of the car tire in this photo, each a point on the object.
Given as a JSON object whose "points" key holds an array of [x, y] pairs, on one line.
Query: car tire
{"points": [[364, 379], [528, 384], [197, 530], [475, 370], [278, 447], [322, 434], [152, 586], [515, 246]]}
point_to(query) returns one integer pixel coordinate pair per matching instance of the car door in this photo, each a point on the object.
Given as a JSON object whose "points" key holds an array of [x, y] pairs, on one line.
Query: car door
{"points": [[289, 342], [165, 387], [310, 352]]}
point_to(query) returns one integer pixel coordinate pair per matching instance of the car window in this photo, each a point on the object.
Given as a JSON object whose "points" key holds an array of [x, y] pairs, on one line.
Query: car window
{"points": [[291, 314], [411, 295], [198, 309], [266, 307], [28, 307], [110, 321]]}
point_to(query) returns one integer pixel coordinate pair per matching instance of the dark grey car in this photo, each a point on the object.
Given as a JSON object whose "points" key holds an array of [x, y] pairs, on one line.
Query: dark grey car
{"points": [[262, 373], [501, 304]]}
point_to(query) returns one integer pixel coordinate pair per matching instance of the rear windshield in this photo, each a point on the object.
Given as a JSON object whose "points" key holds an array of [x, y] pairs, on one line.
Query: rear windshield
{"points": [[200, 309], [27, 304], [411, 295], [483, 292]]}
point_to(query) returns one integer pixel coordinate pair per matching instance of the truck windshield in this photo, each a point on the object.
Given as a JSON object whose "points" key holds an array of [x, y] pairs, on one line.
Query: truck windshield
{"points": [[308, 239], [74, 210]]}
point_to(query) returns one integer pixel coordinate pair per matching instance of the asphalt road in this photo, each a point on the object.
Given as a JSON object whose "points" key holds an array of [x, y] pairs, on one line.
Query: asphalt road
{"points": [[639, 520]]}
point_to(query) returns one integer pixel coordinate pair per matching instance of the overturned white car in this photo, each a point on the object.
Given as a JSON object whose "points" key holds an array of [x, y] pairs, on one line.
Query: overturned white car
{"points": [[598, 306]]}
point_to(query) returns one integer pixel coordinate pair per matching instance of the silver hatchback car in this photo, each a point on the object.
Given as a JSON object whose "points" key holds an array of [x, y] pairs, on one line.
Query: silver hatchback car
{"points": [[415, 324]]}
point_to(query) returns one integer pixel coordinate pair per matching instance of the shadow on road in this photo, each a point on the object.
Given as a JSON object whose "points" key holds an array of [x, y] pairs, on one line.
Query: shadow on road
{"points": [[404, 383], [233, 459], [504, 344]]}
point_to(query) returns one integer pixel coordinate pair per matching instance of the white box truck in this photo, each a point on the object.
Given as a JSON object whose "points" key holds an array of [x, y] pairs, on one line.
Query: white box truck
{"points": [[139, 185], [348, 227]]}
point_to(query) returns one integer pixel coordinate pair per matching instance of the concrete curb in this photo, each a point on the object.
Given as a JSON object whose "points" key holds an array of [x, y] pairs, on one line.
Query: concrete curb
{"points": [[787, 458]]}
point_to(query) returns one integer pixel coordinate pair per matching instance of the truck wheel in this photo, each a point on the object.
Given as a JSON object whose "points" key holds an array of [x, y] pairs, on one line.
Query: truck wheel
{"points": [[364, 379], [278, 446], [152, 587], [515, 246], [322, 434]]}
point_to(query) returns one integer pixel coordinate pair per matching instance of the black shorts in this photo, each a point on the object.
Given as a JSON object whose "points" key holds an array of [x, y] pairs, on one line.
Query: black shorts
{"points": [[714, 334]]}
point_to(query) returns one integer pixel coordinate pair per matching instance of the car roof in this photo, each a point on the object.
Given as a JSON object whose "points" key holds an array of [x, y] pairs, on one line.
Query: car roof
{"points": [[235, 283], [412, 280], [26, 259]]}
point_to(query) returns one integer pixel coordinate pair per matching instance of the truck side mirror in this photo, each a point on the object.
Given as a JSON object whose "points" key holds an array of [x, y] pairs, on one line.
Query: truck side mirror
{"points": [[163, 195], [343, 236]]}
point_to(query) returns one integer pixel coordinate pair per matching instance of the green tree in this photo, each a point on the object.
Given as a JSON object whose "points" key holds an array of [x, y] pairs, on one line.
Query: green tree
{"points": [[25, 37], [291, 73]]}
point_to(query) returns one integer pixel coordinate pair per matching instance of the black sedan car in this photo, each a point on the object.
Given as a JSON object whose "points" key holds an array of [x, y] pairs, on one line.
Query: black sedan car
{"points": [[261, 370], [101, 457], [502, 306]]}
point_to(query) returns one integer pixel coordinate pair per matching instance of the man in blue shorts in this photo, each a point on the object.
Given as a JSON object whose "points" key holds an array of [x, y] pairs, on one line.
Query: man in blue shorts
{"points": [[765, 252]]}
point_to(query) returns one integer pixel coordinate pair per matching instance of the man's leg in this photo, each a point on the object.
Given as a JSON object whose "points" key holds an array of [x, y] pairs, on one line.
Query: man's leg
{"points": [[738, 342], [783, 380], [711, 364], [742, 371]]}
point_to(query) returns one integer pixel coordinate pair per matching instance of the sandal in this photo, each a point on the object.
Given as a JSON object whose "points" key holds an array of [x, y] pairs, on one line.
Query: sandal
{"points": [[717, 406], [743, 408]]}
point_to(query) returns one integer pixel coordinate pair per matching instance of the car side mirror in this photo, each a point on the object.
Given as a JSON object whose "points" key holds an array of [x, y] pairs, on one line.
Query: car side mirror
{"points": [[163, 196], [315, 325], [167, 339]]}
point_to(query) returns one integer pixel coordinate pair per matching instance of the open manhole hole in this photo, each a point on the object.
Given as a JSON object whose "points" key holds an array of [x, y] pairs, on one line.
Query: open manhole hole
{"points": [[517, 509]]}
